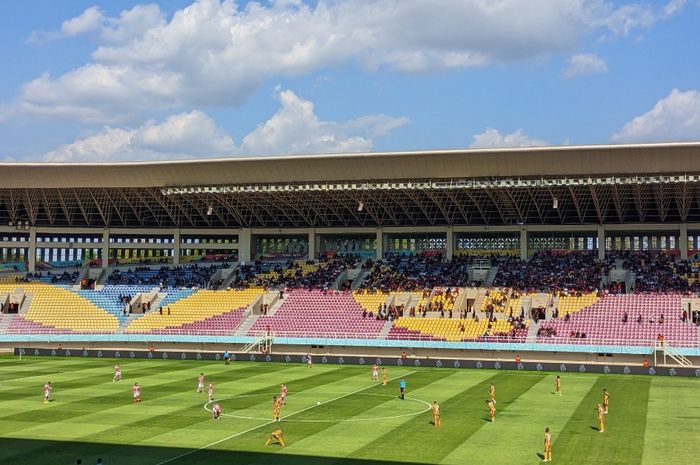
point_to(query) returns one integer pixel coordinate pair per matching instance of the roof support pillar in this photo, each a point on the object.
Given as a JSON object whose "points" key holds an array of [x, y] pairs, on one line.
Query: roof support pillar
{"points": [[31, 256], [313, 245], [380, 244], [176, 246], [105, 248], [450, 243], [244, 242], [601, 242], [523, 243], [684, 241]]}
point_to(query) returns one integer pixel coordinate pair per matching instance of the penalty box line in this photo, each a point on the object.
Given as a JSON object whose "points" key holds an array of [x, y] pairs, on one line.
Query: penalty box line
{"points": [[241, 433]]}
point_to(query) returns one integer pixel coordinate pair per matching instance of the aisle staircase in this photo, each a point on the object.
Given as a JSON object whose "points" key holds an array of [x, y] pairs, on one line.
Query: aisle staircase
{"points": [[668, 351]]}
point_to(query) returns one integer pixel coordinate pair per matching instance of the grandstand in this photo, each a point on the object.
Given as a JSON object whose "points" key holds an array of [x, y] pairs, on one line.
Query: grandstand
{"points": [[509, 249]]}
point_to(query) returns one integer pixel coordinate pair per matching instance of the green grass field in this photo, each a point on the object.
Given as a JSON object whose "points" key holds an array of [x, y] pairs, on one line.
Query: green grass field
{"points": [[651, 420]]}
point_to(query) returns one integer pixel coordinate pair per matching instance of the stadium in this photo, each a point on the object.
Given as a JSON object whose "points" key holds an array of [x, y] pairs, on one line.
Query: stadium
{"points": [[451, 270]]}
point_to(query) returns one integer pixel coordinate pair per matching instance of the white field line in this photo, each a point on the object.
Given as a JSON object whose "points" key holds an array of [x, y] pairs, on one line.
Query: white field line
{"points": [[241, 433]]}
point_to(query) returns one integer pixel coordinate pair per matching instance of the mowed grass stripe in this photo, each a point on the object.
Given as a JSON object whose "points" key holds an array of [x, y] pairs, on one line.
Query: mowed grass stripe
{"points": [[166, 398], [349, 406], [149, 424], [348, 437], [462, 415], [37, 368], [72, 398], [673, 421], [623, 440], [517, 435]]}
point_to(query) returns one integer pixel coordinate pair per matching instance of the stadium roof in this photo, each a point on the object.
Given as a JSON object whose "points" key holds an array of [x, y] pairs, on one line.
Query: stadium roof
{"points": [[543, 185]]}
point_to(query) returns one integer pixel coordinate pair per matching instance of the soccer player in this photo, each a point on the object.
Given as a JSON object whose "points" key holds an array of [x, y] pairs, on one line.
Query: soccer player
{"points": [[606, 400], [211, 391], [492, 409], [402, 388], [137, 392], [547, 446], [309, 360], [47, 392], [557, 386], [601, 419], [117, 373], [200, 383], [375, 372], [275, 409], [436, 414], [216, 411], [283, 394], [384, 377], [492, 393], [278, 436]]}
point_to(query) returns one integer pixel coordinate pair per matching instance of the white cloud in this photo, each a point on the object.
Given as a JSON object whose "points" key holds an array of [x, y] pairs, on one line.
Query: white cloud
{"points": [[675, 117], [492, 138], [214, 53], [588, 63], [293, 129], [673, 7], [128, 25], [179, 136], [90, 20]]}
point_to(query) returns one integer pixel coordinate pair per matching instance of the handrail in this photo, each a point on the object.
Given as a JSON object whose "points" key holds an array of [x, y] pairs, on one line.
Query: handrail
{"points": [[327, 334]]}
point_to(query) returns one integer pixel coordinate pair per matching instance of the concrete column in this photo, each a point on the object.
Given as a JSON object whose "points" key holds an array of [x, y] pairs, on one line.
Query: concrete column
{"points": [[380, 244], [31, 258], [244, 244], [601, 242], [312, 244], [684, 241], [450, 243], [105, 248], [176, 247], [523, 243]]}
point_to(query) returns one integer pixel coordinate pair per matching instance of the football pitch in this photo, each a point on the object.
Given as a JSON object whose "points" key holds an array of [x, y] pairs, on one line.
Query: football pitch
{"points": [[335, 414]]}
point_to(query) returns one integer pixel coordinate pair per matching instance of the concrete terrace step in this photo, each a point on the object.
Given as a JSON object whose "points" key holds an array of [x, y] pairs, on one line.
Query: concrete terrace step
{"points": [[248, 323], [5, 321], [532, 332], [384, 333]]}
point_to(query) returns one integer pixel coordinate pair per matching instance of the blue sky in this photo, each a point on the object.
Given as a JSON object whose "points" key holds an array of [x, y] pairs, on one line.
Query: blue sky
{"points": [[100, 81]]}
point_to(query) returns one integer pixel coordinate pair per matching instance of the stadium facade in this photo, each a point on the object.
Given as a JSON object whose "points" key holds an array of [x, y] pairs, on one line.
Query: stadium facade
{"points": [[627, 197]]}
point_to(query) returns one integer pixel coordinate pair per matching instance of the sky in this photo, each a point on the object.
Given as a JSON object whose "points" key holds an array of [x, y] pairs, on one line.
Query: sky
{"points": [[107, 81]]}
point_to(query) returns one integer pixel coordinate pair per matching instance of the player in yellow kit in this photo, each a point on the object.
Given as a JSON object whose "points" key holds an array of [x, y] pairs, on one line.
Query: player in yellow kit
{"points": [[436, 413], [601, 419], [547, 446], [557, 386], [275, 409], [384, 377], [492, 409], [492, 393], [278, 436], [606, 400]]}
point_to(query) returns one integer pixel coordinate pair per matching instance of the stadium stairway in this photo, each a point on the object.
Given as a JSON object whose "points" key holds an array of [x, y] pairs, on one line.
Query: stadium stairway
{"points": [[532, 332], [5, 320], [125, 324], [491, 276], [384, 333], [248, 323], [25, 303]]}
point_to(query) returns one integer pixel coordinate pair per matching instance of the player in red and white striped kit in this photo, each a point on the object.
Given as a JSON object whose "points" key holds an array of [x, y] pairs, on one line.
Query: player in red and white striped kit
{"points": [[200, 383], [137, 392], [211, 391], [47, 392], [216, 411], [283, 394]]}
